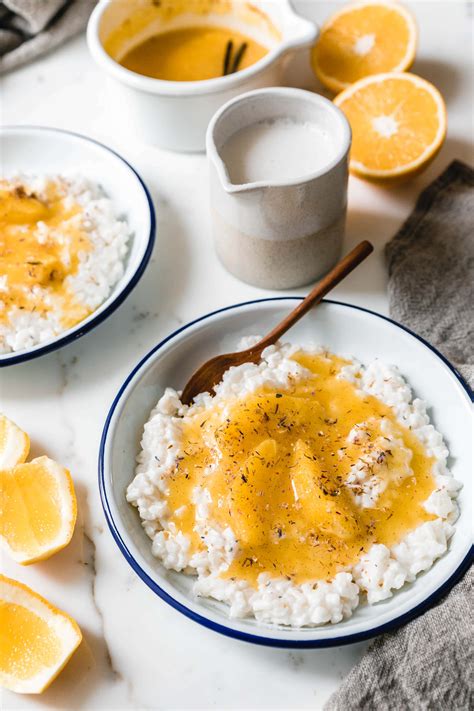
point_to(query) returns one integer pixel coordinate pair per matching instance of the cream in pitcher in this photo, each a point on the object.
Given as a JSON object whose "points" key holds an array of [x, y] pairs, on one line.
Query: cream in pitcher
{"points": [[278, 186], [277, 149]]}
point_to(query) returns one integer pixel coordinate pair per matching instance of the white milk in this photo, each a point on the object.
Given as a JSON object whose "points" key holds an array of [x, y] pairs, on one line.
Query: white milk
{"points": [[277, 150]]}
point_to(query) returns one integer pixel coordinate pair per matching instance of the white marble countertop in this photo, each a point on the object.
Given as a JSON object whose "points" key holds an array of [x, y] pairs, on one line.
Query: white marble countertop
{"points": [[138, 653]]}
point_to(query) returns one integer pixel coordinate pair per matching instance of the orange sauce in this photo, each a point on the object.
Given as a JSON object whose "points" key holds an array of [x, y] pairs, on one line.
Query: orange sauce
{"points": [[280, 460], [191, 53], [36, 267]]}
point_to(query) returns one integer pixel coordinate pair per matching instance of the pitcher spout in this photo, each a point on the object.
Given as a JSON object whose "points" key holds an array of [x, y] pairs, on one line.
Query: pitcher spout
{"points": [[222, 173]]}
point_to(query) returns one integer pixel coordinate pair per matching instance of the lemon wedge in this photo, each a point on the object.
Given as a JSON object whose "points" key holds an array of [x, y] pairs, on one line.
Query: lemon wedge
{"points": [[14, 443], [36, 639], [38, 509]]}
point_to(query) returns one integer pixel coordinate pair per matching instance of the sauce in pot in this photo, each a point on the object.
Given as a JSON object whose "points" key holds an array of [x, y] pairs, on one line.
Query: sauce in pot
{"points": [[193, 54]]}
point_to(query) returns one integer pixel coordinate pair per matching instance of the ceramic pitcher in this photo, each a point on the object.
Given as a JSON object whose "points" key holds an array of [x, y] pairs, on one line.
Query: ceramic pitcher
{"points": [[279, 234]]}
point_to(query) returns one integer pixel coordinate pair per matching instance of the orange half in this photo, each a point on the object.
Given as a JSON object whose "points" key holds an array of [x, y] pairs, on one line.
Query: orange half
{"points": [[398, 123], [364, 38]]}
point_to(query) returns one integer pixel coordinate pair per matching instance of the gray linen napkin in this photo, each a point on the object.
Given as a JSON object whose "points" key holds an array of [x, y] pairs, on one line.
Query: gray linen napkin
{"points": [[428, 664], [425, 666], [431, 267], [29, 28]]}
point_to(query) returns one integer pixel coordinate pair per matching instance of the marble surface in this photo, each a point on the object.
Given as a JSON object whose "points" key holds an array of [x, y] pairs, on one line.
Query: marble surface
{"points": [[137, 652]]}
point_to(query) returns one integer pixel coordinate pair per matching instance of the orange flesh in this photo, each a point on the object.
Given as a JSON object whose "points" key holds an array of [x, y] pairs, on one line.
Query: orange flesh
{"points": [[337, 53], [30, 507], [27, 643], [190, 54], [28, 264], [277, 480], [414, 112]]}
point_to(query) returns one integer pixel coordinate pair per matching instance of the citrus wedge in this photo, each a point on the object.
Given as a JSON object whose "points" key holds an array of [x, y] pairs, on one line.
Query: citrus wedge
{"points": [[37, 509], [36, 639], [364, 38], [398, 123], [14, 443]]}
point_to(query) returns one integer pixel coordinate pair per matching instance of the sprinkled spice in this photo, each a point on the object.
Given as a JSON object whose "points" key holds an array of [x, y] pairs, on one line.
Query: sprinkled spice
{"points": [[283, 489]]}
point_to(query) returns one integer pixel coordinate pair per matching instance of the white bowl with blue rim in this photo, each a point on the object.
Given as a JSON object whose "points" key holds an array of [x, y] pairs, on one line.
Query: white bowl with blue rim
{"points": [[344, 329], [46, 151]]}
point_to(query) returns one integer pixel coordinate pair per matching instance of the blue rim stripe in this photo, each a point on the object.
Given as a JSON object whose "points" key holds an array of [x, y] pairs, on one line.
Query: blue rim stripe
{"points": [[81, 330], [222, 629]]}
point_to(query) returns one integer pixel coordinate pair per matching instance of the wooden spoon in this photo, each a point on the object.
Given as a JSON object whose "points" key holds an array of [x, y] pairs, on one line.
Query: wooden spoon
{"points": [[212, 371]]}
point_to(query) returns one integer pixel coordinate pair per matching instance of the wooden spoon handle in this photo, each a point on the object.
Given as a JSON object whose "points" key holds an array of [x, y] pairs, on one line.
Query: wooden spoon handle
{"points": [[337, 274]]}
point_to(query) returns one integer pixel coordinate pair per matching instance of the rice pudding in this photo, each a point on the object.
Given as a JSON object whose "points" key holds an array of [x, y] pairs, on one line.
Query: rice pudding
{"points": [[62, 249], [305, 485]]}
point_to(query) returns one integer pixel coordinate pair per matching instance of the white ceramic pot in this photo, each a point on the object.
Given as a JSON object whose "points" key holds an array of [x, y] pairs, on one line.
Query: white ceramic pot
{"points": [[279, 234], [175, 115]]}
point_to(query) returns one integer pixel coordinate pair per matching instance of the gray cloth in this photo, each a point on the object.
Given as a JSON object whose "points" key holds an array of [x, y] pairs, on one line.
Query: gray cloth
{"points": [[425, 666], [428, 664], [431, 267], [29, 28]]}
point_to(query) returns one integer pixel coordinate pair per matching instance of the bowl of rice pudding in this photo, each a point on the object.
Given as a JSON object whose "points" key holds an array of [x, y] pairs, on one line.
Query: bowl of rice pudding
{"points": [[318, 498], [77, 229]]}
